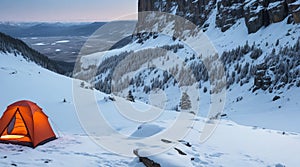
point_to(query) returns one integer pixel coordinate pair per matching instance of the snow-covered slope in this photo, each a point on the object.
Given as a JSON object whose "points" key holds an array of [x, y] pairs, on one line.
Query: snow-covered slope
{"points": [[153, 64], [265, 38], [230, 145]]}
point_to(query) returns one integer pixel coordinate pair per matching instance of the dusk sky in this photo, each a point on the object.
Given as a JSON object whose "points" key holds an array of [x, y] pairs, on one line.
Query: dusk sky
{"points": [[66, 10]]}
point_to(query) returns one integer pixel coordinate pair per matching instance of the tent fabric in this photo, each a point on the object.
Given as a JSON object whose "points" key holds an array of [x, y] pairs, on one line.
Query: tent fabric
{"points": [[25, 123]]}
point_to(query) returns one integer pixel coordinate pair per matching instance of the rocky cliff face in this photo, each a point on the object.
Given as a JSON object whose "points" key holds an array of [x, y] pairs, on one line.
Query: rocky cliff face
{"points": [[195, 11], [257, 13]]}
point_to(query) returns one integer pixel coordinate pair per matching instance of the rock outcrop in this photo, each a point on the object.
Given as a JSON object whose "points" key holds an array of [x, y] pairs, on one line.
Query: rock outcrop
{"points": [[261, 79], [277, 11], [256, 16], [294, 9], [193, 10], [257, 13], [227, 15]]}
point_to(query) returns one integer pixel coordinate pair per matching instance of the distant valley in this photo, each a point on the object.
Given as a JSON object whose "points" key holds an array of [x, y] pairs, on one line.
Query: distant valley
{"points": [[58, 41]]}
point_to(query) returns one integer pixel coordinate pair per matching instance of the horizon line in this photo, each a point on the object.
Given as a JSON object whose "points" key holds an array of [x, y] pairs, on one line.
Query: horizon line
{"points": [[91, 21]]}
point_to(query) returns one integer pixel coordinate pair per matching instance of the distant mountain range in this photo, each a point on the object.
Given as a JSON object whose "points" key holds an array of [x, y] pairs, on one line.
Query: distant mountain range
{"points": [[49, 29]]}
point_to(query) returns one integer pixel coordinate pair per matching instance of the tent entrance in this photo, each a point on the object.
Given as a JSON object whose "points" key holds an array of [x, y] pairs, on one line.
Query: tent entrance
{"points": [[16, 129]]}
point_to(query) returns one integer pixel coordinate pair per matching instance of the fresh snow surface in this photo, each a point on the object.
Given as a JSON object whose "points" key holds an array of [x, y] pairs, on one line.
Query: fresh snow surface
{"points": [[230, 145]]}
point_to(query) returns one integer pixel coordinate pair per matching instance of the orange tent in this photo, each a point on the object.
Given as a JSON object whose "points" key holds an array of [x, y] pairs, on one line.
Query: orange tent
{"points": [[25, 123]]}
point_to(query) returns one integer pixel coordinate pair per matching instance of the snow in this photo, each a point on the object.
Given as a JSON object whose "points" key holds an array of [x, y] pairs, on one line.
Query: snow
{"points": [[39, 83], [253, 18], [230, 145], [274, 4], [63, 41], [174, 9], [234, 145], [60, 42], [297, 2], [280, 115], [39, 44], [238, 35], [147, 130], [255, 131]]}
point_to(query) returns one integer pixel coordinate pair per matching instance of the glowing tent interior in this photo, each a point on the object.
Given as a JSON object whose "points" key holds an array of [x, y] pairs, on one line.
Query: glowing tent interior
{"points": [[25, 123]]}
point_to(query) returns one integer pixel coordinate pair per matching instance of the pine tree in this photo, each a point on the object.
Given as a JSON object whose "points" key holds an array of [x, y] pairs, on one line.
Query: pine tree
{"points": [[185, 102], [130, 96]]}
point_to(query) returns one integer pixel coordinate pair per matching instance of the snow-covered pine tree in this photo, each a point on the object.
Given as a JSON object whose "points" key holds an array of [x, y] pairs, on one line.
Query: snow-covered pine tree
{"points": [[185, 102], [130, 96]]}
